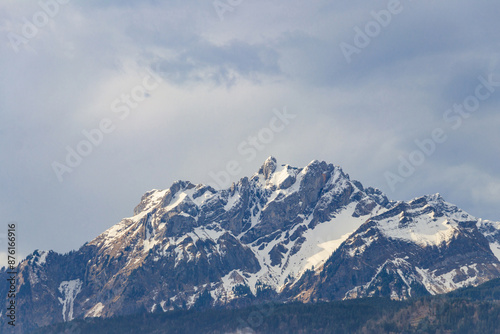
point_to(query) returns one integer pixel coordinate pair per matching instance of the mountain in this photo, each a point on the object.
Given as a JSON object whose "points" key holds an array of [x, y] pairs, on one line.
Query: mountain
{"points": [[467, 310], [285, 234]]}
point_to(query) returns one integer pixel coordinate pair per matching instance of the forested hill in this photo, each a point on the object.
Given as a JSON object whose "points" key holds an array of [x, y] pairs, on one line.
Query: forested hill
{"points": [[467, 310]]}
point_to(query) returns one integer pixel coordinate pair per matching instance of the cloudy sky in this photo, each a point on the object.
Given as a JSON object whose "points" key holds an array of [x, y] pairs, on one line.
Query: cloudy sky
{"points": [[101, 102]]}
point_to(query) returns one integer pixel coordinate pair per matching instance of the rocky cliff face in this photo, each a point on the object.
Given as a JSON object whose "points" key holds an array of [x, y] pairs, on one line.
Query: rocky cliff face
{"points": [[284, 234], [425, 246]]}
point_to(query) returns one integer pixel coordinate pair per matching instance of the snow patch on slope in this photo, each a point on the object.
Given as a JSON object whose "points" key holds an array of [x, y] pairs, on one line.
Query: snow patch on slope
{"points": [[69, 290], [178, 199], [319, 244], [280, 175], [328, 248], [205, 233], [424, 230], [423, 226], [108, 237], [43, 258], [39, 258], [495, 249], [324, 239], [225, 291], [232, 201], [438, 284], [95, 311]]}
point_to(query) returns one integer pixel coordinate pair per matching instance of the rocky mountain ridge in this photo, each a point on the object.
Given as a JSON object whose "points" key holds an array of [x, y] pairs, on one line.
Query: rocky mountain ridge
{"points": [[284, 234]]}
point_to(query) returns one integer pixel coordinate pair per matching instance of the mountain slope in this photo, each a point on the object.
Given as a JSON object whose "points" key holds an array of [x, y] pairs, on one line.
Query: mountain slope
{"points": [[470, 310], [284, 234], [425, 246]]}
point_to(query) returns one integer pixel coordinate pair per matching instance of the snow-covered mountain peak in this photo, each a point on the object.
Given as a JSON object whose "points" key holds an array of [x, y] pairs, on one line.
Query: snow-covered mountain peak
{"points": [[268, 167], [313, 163], [39, 257], [179, 192], [435, 197], [427, 220], [285, 233], [283, 177]]}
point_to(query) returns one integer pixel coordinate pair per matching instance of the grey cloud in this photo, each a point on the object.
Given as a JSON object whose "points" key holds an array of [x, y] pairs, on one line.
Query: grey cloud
{"points": [[222, 65]]}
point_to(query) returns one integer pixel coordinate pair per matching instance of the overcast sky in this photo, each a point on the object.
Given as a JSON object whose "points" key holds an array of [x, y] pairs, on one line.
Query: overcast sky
{"points": [[178, 89]]}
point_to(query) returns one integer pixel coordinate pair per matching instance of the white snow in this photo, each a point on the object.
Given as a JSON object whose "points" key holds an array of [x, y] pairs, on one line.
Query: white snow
{"points": [[179, 254], [199, 201], [445, 283], [204, 233], [149, 242], [280, 175], [328, 248], [191, 300], [154, 199], [232, 201], [178, 199], [319, 245], [43, 258], [407, 283], [427, 229], [424, 230], [69, 290], [115, 232], [95, 311], [495, 249], [324, 239], [224, 292]]}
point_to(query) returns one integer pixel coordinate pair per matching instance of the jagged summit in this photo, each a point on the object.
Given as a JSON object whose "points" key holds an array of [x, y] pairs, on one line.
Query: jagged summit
{"points": [[268, 168], [283, 234], [437, 198]]}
